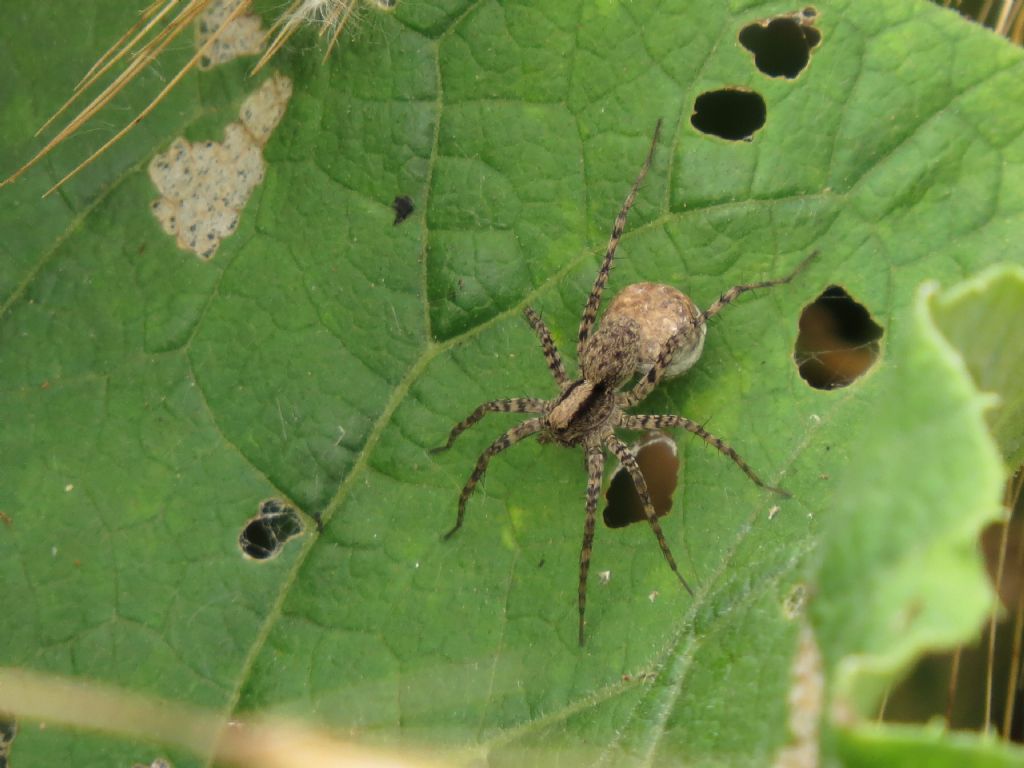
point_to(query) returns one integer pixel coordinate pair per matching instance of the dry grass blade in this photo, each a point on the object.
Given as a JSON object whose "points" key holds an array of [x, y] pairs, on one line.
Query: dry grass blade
{"points": [[339, 27], [114, 54], [1016, 485], [142, 59], [160, 24], [283, 28], [238, 11], [262, 743], [332, 15]]}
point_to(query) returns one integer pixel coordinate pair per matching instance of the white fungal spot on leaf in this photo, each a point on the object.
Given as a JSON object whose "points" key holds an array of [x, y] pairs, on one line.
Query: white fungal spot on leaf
{"points": [[243, 36], [806, 696], [204, 186]]}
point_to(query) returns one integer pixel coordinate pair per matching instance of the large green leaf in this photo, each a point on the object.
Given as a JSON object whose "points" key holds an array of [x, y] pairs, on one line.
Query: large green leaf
{"points": [[150, 400]]}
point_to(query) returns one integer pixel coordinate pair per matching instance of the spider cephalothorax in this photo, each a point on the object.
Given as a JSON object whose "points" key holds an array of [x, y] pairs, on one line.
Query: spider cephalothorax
{"points": [[587, 410]]}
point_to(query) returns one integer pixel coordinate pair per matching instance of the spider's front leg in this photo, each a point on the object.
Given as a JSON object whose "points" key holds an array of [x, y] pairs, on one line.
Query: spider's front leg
{"points": [[548, 345], [510, 405], [594, 300], [510, 438]]}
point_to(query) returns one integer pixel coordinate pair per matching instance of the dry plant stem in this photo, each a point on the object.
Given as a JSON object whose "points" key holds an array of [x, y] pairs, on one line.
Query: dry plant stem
{"points": [[954, 676], [281, 31], [338, 29], [986, 9], [1017, 31], [284, 27], [885, 703], [238, 11], [1003, 22], [1000, 568], [1018, 629], [1017, 484], [261, 743]]}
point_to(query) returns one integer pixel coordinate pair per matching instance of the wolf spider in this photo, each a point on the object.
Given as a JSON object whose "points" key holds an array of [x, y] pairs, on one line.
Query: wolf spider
{"points": [[588, 409]]}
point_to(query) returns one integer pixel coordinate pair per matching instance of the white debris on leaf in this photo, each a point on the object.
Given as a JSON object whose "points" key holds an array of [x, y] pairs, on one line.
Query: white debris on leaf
{"points": [[243, 36], [204, 186], [806, 697]]}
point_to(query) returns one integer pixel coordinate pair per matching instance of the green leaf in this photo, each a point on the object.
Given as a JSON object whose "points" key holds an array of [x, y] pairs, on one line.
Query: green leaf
{"points": [[150, 400]]}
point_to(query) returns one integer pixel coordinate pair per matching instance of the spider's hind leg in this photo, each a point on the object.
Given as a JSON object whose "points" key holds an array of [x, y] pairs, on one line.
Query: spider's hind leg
{"points": [[628, 460], [595, 471], [738, 290], [659, 421], [510, 438], [650, 380]]}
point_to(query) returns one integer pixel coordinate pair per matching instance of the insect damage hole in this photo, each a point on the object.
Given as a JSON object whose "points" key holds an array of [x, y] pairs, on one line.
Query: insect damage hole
{"points": [[658, 458], [733, 114], [782, 45], [242, 36], [838, 341], [8, 730], [265, 535], [205, 185]]}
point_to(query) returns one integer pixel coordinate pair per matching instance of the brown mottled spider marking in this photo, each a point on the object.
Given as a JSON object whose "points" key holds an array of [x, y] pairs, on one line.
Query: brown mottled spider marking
{"points": [[587, 410]]}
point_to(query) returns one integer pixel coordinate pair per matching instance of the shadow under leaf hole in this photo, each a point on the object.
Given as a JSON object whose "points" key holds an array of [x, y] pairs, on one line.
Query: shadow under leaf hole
{"points": [[658, 459], [838, 341], [734, 114], [265, 535]]}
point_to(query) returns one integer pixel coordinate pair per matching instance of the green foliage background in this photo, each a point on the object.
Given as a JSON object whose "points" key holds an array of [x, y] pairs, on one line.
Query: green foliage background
{"points": [[149, 401]]}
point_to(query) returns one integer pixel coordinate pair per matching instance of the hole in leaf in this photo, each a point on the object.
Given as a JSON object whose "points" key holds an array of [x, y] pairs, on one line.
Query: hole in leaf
{"points": [[8, 730], [782, 45], [838, 340], [658, 458], [265, 534], [729, 113], [403, 207]]}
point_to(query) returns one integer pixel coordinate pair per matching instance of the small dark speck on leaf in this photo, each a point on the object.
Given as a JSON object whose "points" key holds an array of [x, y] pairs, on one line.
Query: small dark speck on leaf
{"points": [[404, 207]]}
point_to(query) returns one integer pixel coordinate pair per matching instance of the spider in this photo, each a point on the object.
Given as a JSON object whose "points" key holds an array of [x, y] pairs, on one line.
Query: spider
{"points": [[588, 409]]}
